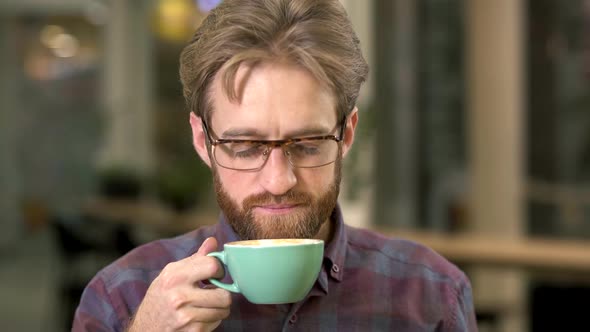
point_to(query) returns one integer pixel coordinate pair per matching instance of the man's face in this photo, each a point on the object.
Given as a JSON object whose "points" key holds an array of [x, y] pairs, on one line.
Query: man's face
{"points": [[277, 101]]}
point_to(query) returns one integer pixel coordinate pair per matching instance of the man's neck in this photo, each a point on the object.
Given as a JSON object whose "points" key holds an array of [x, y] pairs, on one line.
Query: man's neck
{"points": [[326, 231]]}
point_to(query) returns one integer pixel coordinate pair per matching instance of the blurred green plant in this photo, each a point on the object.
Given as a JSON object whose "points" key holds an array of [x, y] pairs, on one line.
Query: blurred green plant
{"points": [[184, 184]]}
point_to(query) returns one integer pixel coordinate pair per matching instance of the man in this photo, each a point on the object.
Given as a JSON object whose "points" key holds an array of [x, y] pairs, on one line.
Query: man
{"points": [[272, 87]]}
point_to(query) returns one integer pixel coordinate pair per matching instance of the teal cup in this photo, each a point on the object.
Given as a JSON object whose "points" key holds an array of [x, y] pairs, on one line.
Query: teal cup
{"points": [[271, 271]]}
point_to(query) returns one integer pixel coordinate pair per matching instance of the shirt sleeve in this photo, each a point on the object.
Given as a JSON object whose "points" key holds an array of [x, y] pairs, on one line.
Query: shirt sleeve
{"points": [[96, 311], [462, 313]]}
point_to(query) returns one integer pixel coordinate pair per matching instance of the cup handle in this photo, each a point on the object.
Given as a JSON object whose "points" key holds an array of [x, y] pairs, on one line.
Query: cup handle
{"points": [[220, 255]]}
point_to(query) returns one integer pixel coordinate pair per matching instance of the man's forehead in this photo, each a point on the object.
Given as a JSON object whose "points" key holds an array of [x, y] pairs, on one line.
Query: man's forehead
{"points": [[276, 89], [233, 84]]}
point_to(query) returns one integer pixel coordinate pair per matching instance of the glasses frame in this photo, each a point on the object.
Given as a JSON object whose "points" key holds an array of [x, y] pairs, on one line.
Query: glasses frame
{"points": [[272, 144]]}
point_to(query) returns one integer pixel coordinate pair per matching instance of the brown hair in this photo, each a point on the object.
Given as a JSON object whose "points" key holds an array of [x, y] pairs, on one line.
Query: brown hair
{"points": [[315, 34]]}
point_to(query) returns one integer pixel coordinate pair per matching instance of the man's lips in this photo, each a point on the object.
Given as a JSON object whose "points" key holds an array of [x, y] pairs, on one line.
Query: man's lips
{"points": [[276, 208]]}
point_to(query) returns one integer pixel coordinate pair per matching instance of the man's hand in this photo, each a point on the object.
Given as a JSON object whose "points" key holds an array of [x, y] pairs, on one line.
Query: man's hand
{"points": [[175, 302]]}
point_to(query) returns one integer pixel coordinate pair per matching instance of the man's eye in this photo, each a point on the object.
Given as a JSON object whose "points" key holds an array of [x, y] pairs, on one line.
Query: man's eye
{"points": [[306, 149], [246, 150]]}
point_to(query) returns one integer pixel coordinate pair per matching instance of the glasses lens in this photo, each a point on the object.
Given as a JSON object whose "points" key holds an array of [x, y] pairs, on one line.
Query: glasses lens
{"points": [[241, 156], [312, 153]]}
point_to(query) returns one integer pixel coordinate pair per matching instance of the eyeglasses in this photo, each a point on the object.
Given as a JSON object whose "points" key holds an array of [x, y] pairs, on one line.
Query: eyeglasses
{"points": [[251, 155]]}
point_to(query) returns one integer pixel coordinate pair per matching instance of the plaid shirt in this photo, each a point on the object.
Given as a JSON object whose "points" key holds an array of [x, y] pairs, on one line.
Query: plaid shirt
{"points": [[368, 283]]}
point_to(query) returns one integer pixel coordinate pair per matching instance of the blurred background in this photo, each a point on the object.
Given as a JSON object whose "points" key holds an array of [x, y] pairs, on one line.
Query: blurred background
{"points": [[474, 138]]}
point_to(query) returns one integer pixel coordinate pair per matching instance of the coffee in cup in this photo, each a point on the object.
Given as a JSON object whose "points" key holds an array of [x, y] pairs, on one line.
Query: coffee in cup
{"points": [[271, 271]]}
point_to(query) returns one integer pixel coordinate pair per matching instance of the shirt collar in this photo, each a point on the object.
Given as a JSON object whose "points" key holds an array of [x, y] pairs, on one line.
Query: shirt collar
{"points": [[334, 251]]}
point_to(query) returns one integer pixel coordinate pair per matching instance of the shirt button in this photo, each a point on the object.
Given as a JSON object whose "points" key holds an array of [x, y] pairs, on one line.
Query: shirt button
{"points": [[335, 268], [293, 319]]}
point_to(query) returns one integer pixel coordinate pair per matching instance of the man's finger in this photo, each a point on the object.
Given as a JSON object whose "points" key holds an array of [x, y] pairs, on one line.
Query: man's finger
{"points": [[209, 245], [209, 298]]}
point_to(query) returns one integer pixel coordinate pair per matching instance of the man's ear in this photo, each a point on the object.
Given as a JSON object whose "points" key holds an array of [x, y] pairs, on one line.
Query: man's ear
{"points": [[348, 139], [199, 138]]}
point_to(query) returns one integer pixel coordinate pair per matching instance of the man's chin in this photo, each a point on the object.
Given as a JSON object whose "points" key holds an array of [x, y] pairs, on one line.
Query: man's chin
{"points": [[292, 225]]}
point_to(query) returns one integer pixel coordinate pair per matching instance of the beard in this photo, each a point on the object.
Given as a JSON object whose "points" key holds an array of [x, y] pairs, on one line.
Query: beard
{"points": [[304, 222]]}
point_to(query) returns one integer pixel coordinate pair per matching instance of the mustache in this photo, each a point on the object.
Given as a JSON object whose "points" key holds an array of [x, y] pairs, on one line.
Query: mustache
{"points": [[290, 197]]}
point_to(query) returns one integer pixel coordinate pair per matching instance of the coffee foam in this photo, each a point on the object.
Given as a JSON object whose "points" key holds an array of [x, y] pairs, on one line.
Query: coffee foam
{"points": [[273, 242]]}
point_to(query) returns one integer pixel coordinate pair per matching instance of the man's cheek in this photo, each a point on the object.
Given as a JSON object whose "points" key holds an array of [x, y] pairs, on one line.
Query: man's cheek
{"points": [[234, 189]]}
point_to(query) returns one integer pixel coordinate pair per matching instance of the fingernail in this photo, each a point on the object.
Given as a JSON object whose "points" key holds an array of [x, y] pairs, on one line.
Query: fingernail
{"points": [[202, 245]]}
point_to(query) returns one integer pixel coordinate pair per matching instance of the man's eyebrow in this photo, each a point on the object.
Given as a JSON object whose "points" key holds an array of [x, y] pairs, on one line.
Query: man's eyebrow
{"points": [[255, 132], [310, 131], [240, 132]]}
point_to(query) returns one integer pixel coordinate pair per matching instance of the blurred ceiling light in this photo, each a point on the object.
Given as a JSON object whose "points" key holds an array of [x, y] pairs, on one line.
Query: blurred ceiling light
{"points": [[49, 33], [65, 45], [175, 19]]}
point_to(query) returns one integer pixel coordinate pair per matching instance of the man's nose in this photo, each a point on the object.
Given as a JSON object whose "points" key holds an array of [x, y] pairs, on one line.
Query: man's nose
{"points": [[277, 175]]}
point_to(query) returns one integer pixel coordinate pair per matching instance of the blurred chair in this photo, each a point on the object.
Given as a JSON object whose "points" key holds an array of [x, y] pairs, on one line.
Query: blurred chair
{"points": [[85, 246]]}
